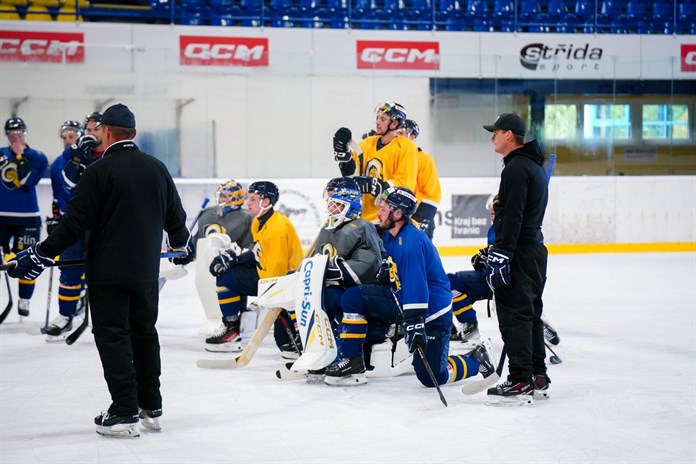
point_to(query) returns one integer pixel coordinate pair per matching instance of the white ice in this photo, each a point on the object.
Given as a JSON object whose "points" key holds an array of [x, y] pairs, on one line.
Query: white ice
{"points": [[625, 391]]}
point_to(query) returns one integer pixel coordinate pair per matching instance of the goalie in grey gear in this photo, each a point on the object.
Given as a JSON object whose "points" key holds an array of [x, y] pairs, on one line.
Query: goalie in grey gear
{"points": [[228, 217], [352, 244]]}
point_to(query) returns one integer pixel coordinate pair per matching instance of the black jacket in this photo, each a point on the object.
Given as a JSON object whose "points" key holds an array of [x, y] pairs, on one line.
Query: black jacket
{"points": [[121, 206], [522, 198]]}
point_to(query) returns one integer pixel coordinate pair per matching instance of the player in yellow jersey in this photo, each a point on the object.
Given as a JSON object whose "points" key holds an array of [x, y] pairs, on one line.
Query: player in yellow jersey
{"points": [[276, 251], [428, 191], [382, 160]]}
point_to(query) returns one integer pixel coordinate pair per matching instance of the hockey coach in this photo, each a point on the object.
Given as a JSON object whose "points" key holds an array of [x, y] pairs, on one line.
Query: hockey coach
{"points": [[121, 205]]}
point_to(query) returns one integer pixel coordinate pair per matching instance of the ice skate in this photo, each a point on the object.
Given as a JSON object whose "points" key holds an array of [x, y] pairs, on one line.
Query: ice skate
{"points": [[511, 394], [149, 418], [484, 355], [117, 426], [23, 307], [227, 340], [346, 372], [288, 351], [541, 386], [59, 328]]}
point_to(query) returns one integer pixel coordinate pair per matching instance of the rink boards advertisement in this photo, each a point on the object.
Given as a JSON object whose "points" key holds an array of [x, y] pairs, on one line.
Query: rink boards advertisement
{"points": [[230, 50]]}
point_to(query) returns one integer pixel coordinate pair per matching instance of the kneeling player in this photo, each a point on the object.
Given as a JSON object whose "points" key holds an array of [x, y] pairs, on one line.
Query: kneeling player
{"points": [[421, 288]]}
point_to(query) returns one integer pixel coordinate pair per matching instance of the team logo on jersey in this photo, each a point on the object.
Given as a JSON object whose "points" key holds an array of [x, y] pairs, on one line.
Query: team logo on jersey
{"points": [[328, 249], [223, 51], [688, 57], [384, 54], [374, 168], [8, 173], [45, 47]]}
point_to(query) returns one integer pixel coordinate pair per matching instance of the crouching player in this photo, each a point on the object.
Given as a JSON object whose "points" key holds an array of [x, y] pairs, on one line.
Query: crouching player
{"points": [[421, 288]]}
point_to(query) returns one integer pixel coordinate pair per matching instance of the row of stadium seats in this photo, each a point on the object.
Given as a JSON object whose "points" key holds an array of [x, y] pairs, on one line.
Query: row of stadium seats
{"points": [[560, 16]]}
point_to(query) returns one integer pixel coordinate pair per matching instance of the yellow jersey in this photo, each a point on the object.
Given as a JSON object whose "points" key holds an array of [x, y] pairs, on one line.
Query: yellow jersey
{"points": [[428, 189], [276, 246]]}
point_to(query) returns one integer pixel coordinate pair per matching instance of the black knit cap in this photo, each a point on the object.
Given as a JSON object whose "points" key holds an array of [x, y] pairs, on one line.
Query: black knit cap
{"points": [[508, 122], [118, 115]]}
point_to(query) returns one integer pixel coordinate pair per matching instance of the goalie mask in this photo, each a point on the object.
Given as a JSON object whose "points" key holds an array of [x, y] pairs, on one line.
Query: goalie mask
{"points": [[229, 196], [343, 201]]}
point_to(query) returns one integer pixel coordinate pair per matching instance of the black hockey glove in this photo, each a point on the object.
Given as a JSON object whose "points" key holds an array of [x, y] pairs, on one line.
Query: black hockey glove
{"points": [[85, 146], [478, 261], [386, 274], [369, 185], [190, 254], [223, 262], [30, 263], [340, 145], [414, 330], [56, 216], [498, 268], [334, 270]]}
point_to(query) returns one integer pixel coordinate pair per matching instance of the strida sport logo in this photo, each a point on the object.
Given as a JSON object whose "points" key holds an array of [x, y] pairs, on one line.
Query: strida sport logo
{"points": [[222, 51], [382, 54], [565, 57], [43, 47]]}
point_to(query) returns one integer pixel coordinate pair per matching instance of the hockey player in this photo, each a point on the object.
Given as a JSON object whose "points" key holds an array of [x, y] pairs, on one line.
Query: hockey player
{"points": [[413, 286], [70, 131], [428, 190], [66, 172], [387, 160], [516, 263], [228, 217], [21, 168], [276, 251]]}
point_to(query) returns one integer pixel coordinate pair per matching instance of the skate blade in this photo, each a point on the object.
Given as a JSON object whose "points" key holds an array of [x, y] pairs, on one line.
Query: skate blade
{"points": [[541, 394], [230, 347], [151, 423], [347, 381], [517, 400], [119, 431], [315, 379]]}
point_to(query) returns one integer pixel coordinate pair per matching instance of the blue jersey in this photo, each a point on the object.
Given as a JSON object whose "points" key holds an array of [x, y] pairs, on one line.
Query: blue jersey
{"points": [[61, 191], [18, 202], [422, 279]]}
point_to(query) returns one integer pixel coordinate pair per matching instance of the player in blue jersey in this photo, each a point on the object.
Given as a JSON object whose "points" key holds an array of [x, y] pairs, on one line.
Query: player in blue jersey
{"points": [[66, 172], [21, 168], [414, 287]]}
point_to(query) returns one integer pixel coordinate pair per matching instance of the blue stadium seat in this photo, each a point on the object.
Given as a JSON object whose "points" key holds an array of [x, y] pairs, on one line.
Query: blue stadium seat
{"points": [[584, 16], [687, 17], [251, 12], [476, 16], [420, 15], [338, 14], [531, 17], [608, 17], [366, 14], [558, 14], [663, 17], [503, 16]]}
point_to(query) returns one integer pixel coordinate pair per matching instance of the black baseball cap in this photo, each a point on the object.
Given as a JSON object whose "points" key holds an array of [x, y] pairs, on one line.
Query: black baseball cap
{"points": [[508, 122], [118, 115]]}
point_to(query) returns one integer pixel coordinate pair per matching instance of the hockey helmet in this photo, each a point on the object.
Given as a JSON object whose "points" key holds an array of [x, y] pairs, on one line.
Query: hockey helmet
{"points": [[265, 189], [230, 194], [400, 198], [411, 127], [15, 124], [395, 111], [343, 201], [71, 125], [95, 116]]}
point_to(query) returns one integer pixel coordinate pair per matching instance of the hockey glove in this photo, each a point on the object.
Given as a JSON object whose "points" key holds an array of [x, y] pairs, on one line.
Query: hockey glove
{"points": [[414, 330], [52, 223], [334, 270], [478, 261], [223, 262], [369, 185], [340, 144], [498, 268], [85, 147], [30, 264], [23, 170], [386, 274], [190, 254]]}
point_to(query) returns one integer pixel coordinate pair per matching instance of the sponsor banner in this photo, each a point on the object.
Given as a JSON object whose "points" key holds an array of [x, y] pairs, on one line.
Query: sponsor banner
{"points": [[688, 57], [43, 47], [223, 51], [470, 218], [383, 54]]}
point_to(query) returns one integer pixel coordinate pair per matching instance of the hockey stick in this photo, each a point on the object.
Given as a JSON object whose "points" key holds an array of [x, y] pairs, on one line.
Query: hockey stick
{"points": [[286, 326], [477, 386], [554, 359], [80, 262], [48, 300], [419, 349], [72, 338], [8, 308], [356, 148]]}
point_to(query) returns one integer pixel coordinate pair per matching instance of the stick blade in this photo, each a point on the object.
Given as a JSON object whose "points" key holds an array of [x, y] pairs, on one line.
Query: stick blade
{"points": [[477, 386], [217, 363]]}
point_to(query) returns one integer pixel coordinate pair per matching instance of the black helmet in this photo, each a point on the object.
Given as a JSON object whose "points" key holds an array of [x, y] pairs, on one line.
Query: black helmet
{"points": [[72, 125], [15, 124], [400, 198], [95, 116], [265, 189], [395, 111], [411, 127]]}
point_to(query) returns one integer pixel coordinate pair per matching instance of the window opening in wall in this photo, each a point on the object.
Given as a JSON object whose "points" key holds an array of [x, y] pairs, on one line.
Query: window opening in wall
{"points": [[666, 122], [560, 122], [607, 121]]}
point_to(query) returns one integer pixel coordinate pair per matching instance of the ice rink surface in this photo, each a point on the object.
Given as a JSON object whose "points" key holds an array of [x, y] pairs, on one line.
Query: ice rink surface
{"points": [[625, 392]]}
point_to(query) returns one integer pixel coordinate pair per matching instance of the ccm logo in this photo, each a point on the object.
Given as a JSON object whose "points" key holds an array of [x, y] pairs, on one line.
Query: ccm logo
{"points": [[47, 47], [688, 58], [398, 55], [222, 51]]}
